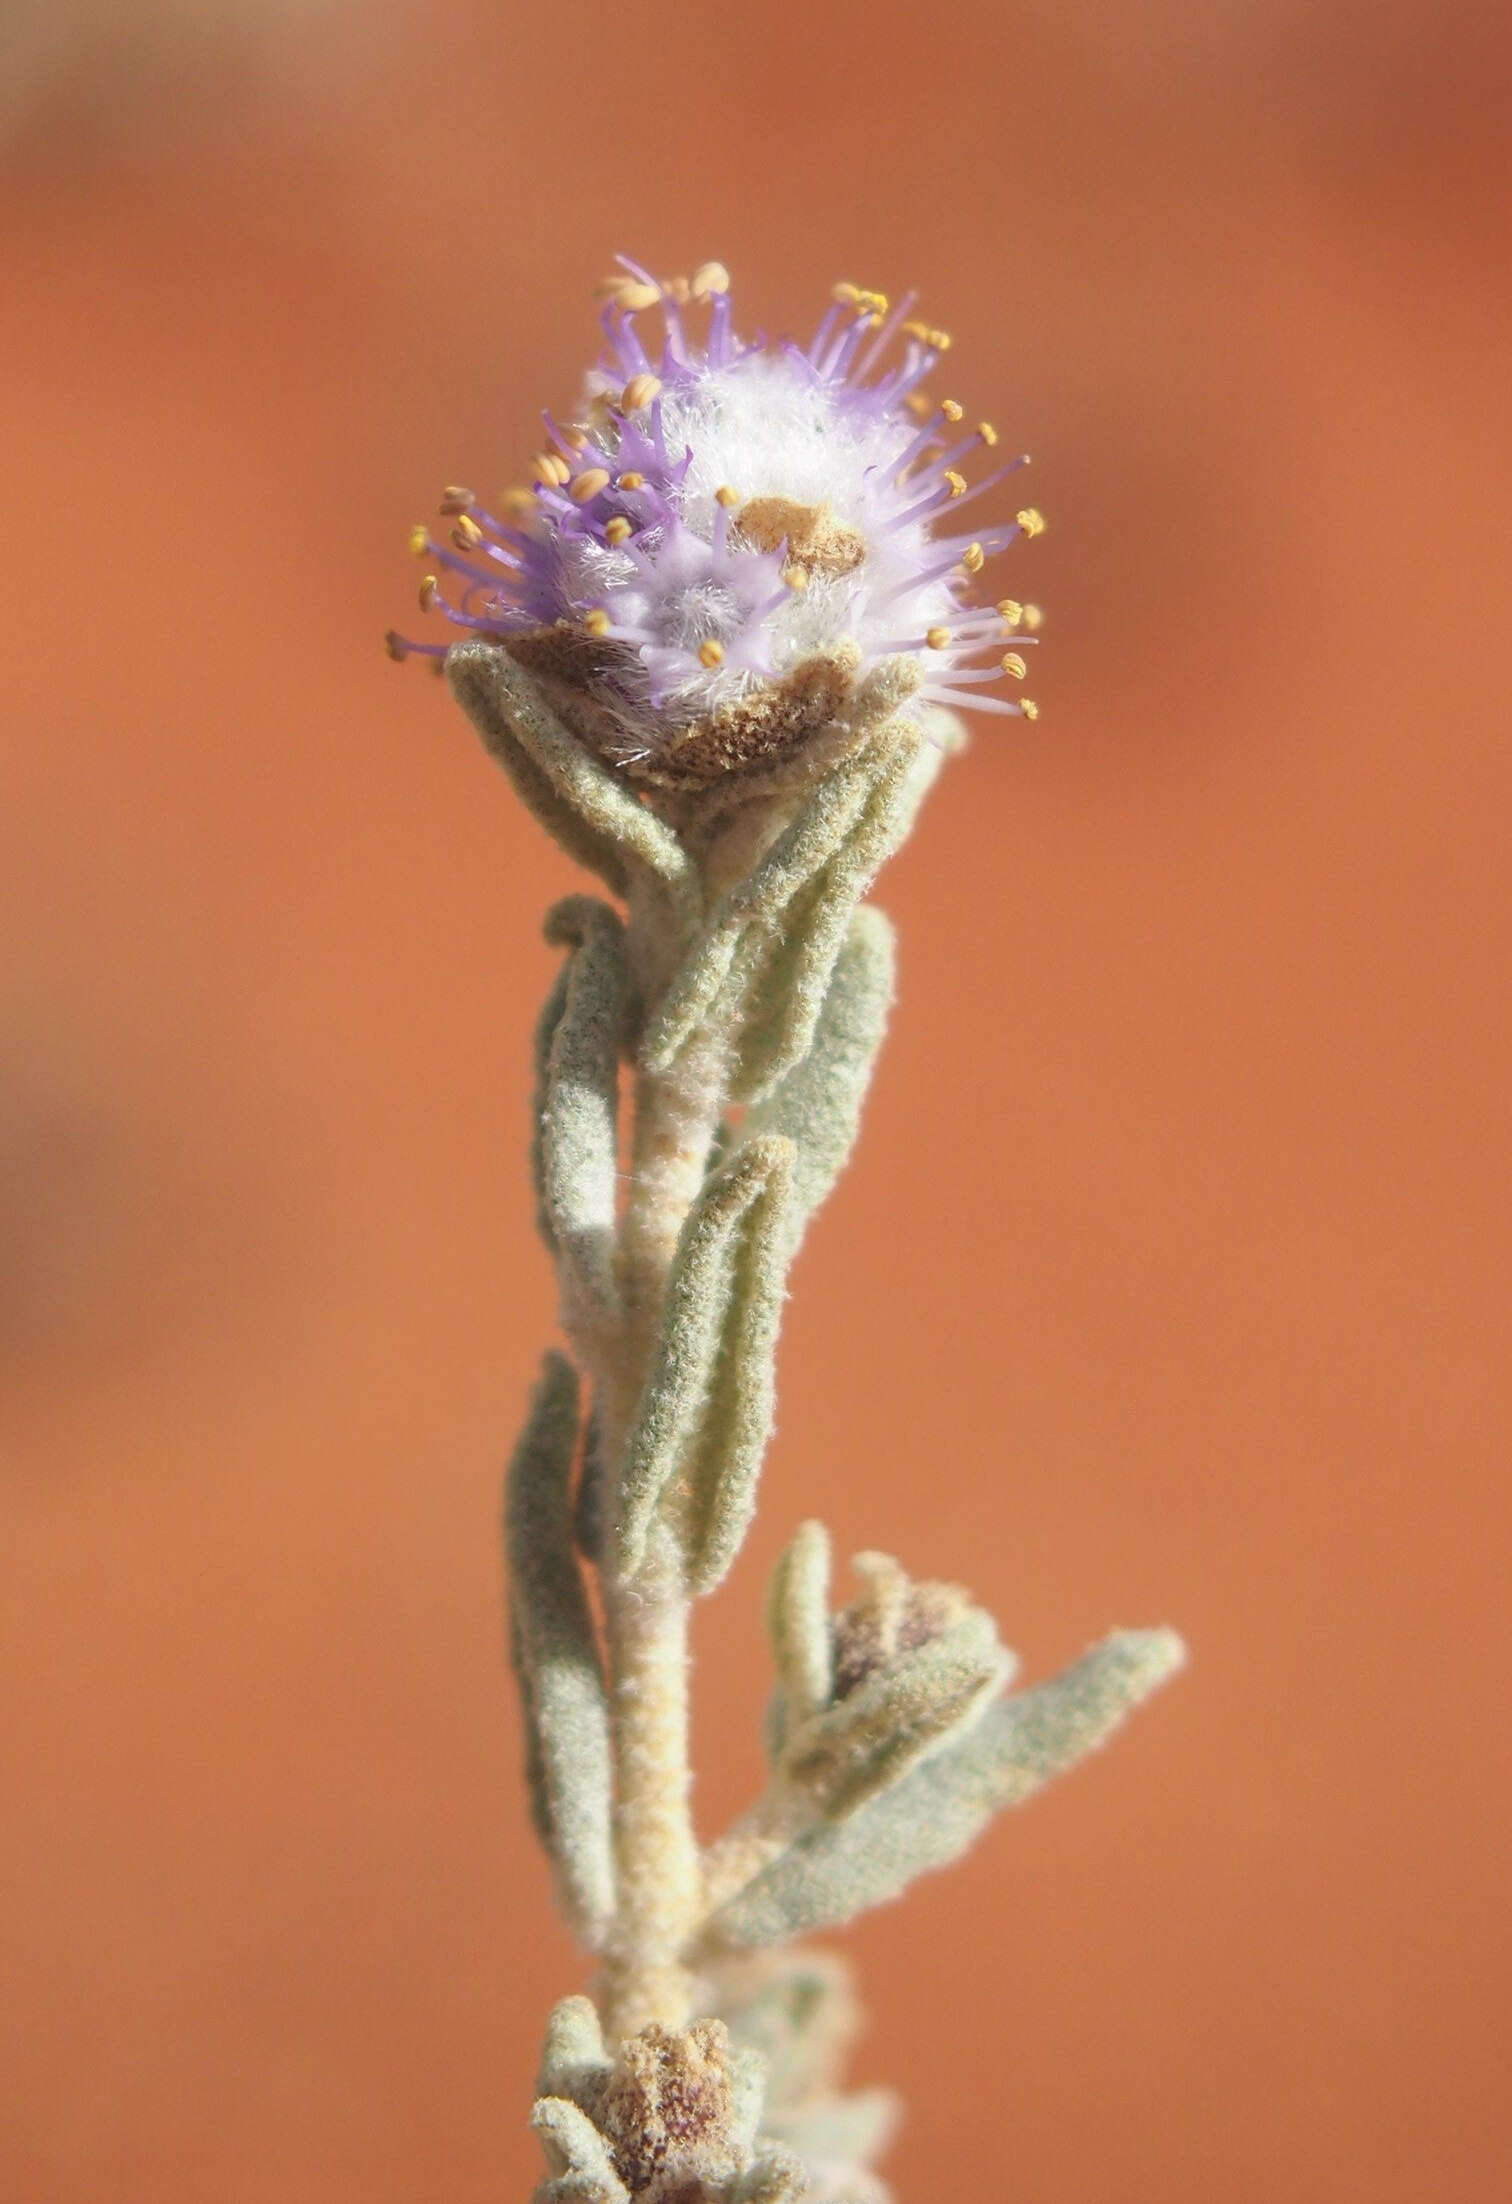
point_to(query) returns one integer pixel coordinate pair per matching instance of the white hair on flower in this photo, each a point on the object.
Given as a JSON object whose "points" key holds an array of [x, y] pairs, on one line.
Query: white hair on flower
{"points": [[725, 517]]}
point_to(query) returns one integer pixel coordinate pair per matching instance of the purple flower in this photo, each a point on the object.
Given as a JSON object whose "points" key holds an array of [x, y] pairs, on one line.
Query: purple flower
{"points": [[732, 535]]}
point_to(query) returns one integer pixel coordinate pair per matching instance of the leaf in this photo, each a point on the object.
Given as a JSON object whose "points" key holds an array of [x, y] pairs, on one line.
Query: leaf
{"points": [[798, 1622], [779, 2176], [784, 1000], [903, 1713], [579, 1102], [757, 902], [574, 2062], [577, 2154], [841, 1868], [817, 1103], [594, 816], [565, 1705], [693, 1452]]}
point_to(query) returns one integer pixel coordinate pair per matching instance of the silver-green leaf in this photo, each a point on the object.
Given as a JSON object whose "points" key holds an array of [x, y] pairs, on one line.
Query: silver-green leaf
{"points": [[565, 1704], [841, 1868], [694, 1450]]}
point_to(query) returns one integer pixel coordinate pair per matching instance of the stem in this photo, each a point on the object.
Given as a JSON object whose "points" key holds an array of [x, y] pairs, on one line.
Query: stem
{"points": [[658, 1871], [658, 1879]]}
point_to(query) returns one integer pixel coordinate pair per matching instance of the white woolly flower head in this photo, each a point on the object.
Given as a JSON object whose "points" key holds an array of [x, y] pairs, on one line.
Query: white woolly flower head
{"points": [[733, 535]]}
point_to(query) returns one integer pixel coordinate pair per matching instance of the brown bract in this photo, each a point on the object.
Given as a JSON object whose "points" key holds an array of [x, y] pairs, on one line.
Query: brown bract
{"points": [[753, 734], [668, 2113]]}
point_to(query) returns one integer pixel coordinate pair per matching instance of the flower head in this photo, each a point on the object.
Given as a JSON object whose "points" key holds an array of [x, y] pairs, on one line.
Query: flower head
{"points": [[730, 536]]}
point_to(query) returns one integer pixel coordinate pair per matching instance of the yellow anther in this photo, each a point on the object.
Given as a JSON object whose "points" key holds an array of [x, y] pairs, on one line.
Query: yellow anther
{"points": [[878, 302], [711, 654], [955, 483], [628, 292], [987, 433], [918, 405], [587, 485], [1031, 520], [938, 638], [576, 437], [725, 496], [795, 576], [1015, 665], [516, 503], [951, 410], [1032, 619], [639, 391], [396, 646], [454, 499], [846, 294], [919, 329], [430, 590], [940, 340], [631, 481], [598, 621], [1028, 707], [419, 540], [467, 532], [618, 531], [547, 467], [973, 558], [713, 276], [1009, 609]]}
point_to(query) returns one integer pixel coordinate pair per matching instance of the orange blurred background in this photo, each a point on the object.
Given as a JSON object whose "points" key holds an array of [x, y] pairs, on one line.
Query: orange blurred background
{"points": [[1170, 1283]]}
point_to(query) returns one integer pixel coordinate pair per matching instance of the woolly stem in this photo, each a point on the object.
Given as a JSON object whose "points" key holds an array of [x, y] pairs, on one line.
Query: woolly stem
{"points": [[658, 1875], [656, 1856]]}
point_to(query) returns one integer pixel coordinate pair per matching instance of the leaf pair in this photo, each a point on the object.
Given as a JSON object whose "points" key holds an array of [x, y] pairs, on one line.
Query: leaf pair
{"points": [[693, 1453], [761, 966], [840, 1868], [898, 1674]]}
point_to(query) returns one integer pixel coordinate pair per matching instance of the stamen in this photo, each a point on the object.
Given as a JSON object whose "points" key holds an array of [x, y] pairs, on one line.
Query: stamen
{"points": [[956, 483], [1013, 664], [419, 540], [1031, 520], [467, 535], [430, 590], [987, 433], [952, 409], [973, 558], [796, 577], [710, 653], [597, 622], [1028, 707], [629, 295], [454, 499], [938, 638], [724, 495], [587, 485], [709, 280], [617, 531], [631, 481], [639, 392], [1011, 610], [551, 470], [1032, 619]]}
